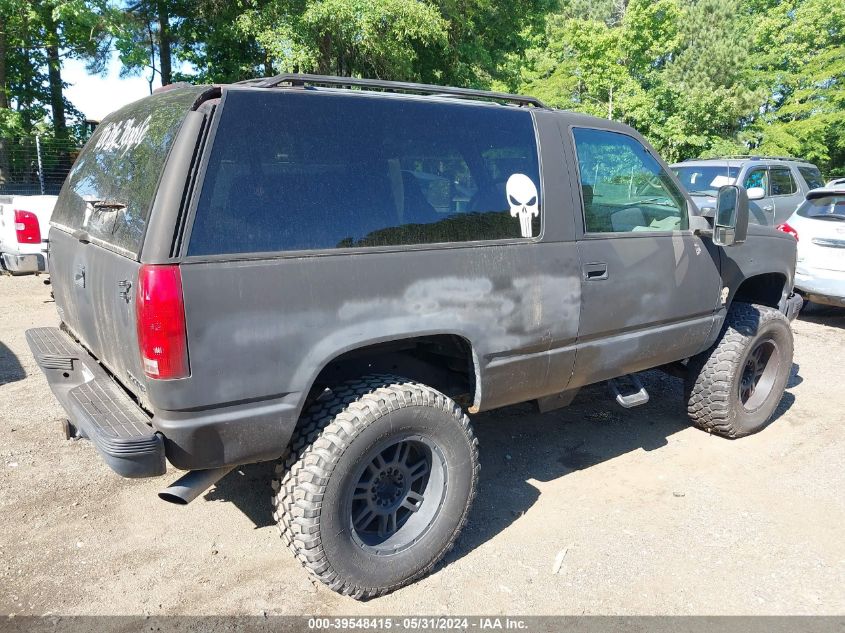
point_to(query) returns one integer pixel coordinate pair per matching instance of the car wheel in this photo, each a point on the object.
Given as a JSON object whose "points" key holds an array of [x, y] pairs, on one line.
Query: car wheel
{"points": [[733, 388], [377, 485]]}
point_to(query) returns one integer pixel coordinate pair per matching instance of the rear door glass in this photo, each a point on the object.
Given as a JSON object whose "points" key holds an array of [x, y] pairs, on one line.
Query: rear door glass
{"points": [[302, 170], [110, 190], [782, 182]]}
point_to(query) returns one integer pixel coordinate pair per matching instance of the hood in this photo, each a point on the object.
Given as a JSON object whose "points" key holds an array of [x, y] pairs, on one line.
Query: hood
{"points": [[704, 202]]}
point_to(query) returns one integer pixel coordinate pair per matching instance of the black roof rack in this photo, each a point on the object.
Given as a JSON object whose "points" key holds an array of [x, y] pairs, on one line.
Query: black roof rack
{"points": [[294, 79], [750, 157]]}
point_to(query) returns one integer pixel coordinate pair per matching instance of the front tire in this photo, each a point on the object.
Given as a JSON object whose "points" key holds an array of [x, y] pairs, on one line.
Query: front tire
{"points": [[377, 485], [733, 388]]}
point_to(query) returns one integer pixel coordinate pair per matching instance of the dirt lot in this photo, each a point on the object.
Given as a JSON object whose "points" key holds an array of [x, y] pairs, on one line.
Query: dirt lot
{"points": [[654, 517]]}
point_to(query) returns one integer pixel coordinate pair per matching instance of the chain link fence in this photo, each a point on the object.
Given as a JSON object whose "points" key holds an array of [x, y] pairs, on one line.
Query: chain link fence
{"points": [[35, 165]]}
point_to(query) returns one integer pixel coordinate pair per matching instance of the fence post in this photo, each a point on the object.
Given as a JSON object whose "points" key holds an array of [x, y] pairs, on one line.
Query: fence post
{"points": [[40, 167]]}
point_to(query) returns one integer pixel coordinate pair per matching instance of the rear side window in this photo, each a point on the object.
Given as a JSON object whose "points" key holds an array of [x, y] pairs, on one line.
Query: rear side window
{"points": [[781, 181], [309, 170], [812, 176], [623, 187], [110, 190]]}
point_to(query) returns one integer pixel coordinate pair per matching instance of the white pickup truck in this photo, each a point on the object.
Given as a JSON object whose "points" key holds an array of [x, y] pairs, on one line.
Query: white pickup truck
{"points": [[24, 223]]}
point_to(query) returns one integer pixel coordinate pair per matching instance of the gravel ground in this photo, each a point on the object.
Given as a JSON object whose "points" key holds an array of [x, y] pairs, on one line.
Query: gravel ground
{"points": [[644, 514]]}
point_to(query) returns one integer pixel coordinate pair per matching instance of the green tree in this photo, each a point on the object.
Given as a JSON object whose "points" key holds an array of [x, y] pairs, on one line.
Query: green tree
{"points": [[799, 48]]}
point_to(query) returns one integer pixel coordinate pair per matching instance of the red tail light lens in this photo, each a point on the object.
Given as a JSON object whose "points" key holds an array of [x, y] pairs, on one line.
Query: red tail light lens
{"points": [[788, 229], [26, 227], [160, 316]]}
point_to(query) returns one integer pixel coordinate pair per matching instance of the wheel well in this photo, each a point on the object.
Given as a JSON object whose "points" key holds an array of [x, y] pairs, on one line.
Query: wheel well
{"points": [[443, 361], [765, 289]]}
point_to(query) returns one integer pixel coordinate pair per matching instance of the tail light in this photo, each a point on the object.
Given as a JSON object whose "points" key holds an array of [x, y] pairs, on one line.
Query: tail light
{"points": [[788, 229], [26, 227], [160, 318]]}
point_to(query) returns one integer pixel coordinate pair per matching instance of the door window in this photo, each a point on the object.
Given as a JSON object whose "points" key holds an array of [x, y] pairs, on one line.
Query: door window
{"points": [[781, 181], [623, 187], [758, 178]]}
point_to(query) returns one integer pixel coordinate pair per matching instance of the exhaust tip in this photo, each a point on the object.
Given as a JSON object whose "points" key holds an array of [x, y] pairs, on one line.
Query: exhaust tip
{"points": [[172, 498], [191, 485]]}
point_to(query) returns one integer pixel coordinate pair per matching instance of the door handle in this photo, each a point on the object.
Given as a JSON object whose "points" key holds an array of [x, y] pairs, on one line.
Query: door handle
{"points": [[768, 208], [595, 271]]}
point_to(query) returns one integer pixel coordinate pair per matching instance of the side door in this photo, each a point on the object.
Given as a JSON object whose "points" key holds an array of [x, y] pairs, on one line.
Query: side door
{"points": [[786, 193], [649, 286], [760, 211]]}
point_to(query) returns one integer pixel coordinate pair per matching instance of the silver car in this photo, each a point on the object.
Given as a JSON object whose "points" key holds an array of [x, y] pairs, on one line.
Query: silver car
{"points": [[776, 186]]}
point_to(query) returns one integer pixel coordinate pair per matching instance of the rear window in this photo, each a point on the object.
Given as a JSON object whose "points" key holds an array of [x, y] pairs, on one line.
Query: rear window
{"points": [[309, 170], [111, 187], [824, 208], [812, 176]]}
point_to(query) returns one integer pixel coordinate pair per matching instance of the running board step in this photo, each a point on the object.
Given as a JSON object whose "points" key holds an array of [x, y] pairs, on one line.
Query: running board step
{"points": [[52, 348], [630, 400]]}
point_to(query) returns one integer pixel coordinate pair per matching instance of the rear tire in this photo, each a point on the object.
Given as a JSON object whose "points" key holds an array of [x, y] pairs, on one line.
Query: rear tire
{"points": [[377, 485], [734, 387]]}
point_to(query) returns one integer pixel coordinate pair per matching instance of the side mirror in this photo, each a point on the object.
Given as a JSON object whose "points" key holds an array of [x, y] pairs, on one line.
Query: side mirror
{"points": [[731, 223], [756, 193]]}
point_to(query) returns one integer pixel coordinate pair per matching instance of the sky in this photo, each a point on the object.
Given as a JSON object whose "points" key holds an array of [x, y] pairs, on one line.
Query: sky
{"points": [[97, 96]]}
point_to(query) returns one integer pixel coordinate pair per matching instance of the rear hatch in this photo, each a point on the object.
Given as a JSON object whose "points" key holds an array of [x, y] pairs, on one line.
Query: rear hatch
{"points": [[99, 224], [820, 224]]}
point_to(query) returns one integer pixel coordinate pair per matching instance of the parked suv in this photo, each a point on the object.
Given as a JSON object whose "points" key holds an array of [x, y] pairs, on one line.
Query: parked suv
{"points": [[288, 269], [776, 186]]}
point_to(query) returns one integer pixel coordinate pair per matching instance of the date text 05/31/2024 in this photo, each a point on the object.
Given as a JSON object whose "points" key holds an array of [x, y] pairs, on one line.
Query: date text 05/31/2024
{"points": [[425, 623]]}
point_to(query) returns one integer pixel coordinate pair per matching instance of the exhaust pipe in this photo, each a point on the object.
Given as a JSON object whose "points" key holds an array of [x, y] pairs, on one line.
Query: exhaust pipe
{"points": [[190, 486]]}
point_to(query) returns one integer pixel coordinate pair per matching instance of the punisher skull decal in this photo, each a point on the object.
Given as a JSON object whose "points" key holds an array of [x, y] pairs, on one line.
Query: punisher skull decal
{"points": [[522, 198]]}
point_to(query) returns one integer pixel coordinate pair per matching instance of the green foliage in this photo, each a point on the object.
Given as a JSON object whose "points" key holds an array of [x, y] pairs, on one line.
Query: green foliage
{"points": [[697, 77]]}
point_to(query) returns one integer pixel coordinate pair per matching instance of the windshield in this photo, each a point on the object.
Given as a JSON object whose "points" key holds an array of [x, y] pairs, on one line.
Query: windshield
{"points": [[824, 208], [110, 189], [706, 179]]}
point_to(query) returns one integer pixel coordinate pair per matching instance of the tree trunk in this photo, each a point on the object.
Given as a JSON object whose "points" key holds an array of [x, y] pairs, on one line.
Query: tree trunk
{"points": [[54, 73], [4, 104], [268, 64], [25, 97], [164, 44]]}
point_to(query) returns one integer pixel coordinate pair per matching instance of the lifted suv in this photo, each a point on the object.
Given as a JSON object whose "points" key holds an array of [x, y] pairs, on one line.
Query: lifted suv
{"points": [[776, 186], [331, 277]]}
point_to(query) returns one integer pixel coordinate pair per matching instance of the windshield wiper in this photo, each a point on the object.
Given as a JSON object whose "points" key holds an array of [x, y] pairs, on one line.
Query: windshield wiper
{"points": [[107, 205], [657, 201]]}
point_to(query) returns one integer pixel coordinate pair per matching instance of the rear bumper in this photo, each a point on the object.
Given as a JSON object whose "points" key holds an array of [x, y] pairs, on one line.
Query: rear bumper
{"points": [[97, 406], [31, 263], [821, 286], [135, 444]]}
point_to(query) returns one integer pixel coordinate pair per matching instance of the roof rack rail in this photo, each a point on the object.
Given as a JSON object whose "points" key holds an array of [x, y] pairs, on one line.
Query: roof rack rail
{"points": [[749, 157], [763, 157], [295, 79]]}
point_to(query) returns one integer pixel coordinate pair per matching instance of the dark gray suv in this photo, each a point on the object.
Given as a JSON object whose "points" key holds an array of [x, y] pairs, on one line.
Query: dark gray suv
{"points": [[289, 269], [776, 186]]}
